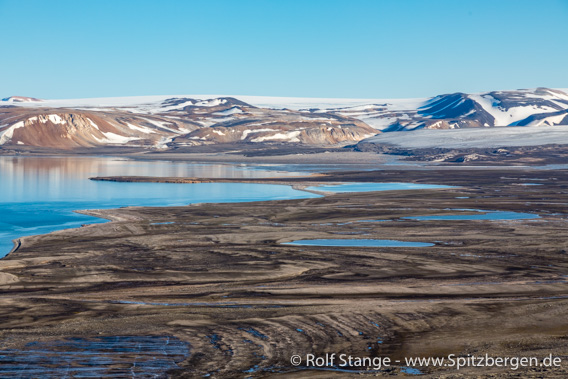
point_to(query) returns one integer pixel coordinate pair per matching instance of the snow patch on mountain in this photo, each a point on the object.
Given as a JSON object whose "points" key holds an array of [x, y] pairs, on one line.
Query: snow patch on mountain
{"points": [[115, 138], [504, 117], [290, 137], [250, 131], [163, 143], [56, 119], [210, 102], [161, 124], [93, 124], [7, 134], [551, 120], [141, 129], [229, 112]]}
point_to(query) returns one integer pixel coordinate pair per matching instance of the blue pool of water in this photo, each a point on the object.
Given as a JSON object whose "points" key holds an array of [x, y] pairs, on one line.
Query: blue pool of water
{"points": [[410, 370], [367, 187], [358, 243], [479, 215]]}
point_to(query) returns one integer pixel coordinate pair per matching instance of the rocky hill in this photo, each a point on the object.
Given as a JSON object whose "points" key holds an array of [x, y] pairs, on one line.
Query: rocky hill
{"points": [[74, 128], [170, 123]]}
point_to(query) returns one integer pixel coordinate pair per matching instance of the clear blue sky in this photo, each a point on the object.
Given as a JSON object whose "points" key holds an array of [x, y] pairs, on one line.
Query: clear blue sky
{"points": [[310, 48]]}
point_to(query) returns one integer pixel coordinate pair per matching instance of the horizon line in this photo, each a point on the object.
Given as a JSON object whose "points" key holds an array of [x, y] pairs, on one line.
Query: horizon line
{"points": [[564, 89]]}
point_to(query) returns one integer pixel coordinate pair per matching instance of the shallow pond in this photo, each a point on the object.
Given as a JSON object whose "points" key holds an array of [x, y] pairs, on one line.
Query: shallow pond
{"points": [[99, 357], [479, 215]]}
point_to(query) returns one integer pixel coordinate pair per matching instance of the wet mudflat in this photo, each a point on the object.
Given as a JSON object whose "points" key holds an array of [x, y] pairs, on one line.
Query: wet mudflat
{"points": [[221, 280], [98, 357], [358, 242], [367, 187]]}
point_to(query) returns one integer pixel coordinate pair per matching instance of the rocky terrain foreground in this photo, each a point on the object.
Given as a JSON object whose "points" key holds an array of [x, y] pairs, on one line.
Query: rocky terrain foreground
{"points": [[210, 290]]}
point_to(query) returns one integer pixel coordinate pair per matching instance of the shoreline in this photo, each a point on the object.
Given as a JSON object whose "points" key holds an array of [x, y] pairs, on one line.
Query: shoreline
{"points": [[100, 213], [18, 242], [104, 214], [298, 183]]}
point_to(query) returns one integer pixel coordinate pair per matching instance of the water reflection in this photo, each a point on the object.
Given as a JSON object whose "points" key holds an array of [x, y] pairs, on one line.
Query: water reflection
{"points": [[21, 177]]}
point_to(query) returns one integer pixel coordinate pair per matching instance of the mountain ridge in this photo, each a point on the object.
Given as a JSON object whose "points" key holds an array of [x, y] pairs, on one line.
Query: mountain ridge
{"points": [[163, 122]]}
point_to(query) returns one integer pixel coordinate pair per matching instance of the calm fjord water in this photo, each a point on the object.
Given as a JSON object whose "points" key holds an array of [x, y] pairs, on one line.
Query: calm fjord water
{"points": [[39, 194]]}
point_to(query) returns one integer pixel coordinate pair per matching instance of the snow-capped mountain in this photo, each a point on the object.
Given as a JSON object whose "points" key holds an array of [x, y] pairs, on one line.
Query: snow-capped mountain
{"points": [[161, 122], [20, 99], [540, 106]]}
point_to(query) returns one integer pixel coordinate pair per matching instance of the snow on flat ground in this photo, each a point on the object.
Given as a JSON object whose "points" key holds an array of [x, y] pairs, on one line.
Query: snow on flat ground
{"points": [[151, 102], [294, 103], [476, 138]]}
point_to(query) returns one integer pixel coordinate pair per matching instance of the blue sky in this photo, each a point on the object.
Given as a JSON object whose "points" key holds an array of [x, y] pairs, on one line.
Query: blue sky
{"points": [[309, 48]]}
